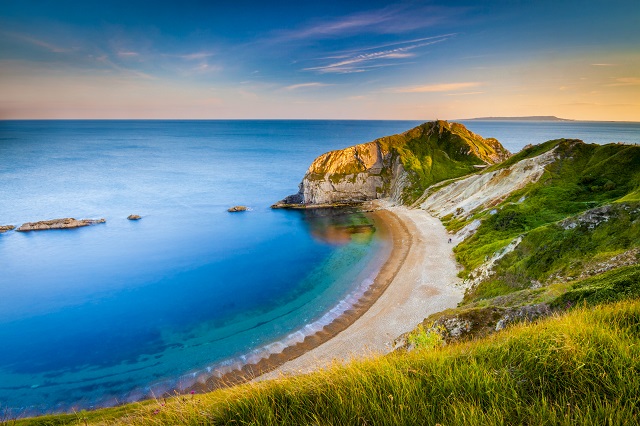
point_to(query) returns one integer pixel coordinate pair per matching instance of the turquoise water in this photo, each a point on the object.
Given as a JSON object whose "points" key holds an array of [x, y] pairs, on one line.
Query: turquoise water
{"points": [[116, 312], [113, 312]]}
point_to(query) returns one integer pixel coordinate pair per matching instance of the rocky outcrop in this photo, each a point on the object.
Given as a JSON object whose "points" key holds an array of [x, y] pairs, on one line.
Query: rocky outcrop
{"points": [[134, 217], [65, 223], [387, 167], [355, 174], [472, 323], [5, 228], [486, 189], [238, 209]]}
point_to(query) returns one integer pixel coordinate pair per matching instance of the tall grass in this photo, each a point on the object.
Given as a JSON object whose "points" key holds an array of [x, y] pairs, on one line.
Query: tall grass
{"points": [[579, 368]]}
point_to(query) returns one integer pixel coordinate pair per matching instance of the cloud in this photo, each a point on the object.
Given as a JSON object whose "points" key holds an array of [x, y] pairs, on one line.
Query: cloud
{"points": [[195, 56], [355, 62], [305, 85], [394, 19], [37, 42], [128, 54], [603, 65], [625, 81], [443, 87], [465, 93]]}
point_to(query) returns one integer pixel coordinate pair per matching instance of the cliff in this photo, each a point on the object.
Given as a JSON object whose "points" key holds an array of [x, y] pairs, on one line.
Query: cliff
{"points": [[399, 167]]}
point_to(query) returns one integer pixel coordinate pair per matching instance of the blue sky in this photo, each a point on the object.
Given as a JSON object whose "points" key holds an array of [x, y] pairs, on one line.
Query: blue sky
{"points": [[319, 59]]}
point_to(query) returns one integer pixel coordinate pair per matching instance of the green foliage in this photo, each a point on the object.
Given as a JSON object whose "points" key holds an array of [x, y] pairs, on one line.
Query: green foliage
{"points": [[425, 339], [436, 151], [578, 368], [582, 178], [619, 284]]}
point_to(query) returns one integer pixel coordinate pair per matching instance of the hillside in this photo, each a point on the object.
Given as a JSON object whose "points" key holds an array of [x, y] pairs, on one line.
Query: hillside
{"points": [[556, 224], [399, 166]]}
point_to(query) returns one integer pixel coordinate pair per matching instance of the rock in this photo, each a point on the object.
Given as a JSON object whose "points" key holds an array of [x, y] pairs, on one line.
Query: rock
{"points": [[376, 169], [5, 228], [238, 209], [134, 217], [65, 223]]}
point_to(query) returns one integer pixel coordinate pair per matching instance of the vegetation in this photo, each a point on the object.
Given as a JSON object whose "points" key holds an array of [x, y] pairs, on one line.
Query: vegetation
{"points": [[436, 151], [578, 368], [597, 179]]}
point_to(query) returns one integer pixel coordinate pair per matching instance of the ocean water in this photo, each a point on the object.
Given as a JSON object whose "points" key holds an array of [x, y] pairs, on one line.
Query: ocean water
{"points": [[118, 311], [514, 135]]}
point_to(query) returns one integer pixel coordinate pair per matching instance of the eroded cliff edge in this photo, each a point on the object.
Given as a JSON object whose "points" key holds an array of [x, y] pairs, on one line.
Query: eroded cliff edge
{"points": [[398, 167]]}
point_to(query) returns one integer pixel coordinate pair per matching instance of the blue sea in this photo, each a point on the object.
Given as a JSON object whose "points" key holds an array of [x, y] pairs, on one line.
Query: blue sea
{"points": [[124, 310]]}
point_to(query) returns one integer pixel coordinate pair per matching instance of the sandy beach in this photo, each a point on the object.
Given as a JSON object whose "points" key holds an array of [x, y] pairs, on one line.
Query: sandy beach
{"points": [[424, 282], [417, 279]]}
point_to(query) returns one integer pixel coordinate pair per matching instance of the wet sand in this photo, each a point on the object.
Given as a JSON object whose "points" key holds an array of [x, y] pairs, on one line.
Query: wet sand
{"points": [[417, 279]]}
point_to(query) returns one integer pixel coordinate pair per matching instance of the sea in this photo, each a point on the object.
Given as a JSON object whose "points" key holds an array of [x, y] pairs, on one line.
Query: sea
{"points": [[126, 310]]}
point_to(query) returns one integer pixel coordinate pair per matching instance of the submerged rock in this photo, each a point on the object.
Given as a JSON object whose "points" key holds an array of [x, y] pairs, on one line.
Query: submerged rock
{"points": [[238, 209], [5, 228], [134, 217], [65, 223]]}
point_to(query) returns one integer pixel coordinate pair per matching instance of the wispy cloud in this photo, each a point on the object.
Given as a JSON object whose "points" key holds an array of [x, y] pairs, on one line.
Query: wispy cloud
{"points": [[305, 85], [603, 65], [355, 62], [465, 93], [128, 54], [625, 81], [195, 56], [394, 19], [37, 42], [105, 60], [443, 87]]}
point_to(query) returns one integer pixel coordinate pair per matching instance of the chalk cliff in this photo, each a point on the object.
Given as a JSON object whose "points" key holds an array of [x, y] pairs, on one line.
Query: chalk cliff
{"points": [[398, 167]]}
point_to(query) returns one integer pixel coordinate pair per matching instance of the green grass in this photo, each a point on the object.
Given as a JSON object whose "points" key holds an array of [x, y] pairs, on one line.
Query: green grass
{"points": [[616, 285], [584, 177], [437, 151], [582, 367]]}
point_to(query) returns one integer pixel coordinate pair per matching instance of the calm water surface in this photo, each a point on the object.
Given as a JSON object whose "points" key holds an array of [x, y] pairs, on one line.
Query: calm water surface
{"points": [[109, 313]]}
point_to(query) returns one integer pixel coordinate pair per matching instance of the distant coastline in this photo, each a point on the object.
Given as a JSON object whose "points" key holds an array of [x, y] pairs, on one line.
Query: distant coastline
{"points": [[525, 118]]}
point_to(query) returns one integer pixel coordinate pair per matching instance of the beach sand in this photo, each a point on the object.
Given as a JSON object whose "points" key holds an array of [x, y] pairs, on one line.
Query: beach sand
{"points": [[425, 282], [418, 278]]}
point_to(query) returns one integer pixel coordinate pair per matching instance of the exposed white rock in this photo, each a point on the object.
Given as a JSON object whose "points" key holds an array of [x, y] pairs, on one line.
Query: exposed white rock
{"points": [[486, 189]]}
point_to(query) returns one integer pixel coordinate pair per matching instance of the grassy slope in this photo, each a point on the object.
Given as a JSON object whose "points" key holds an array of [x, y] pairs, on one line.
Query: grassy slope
{"points": [[585, 176], [436, 151], [578, 368]]}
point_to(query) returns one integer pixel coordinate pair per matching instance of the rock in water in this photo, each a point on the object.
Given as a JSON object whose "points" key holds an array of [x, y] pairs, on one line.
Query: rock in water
{"points": [[134, 217], [65, 223], [237, 209], [5, 228], [398, 167]]}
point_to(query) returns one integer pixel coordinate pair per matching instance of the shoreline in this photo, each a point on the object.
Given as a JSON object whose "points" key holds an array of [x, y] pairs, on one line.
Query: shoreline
{"points": [[401, 242], [424, 283]]}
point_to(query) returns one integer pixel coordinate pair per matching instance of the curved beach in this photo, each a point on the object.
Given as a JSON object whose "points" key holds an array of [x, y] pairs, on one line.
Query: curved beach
{"points": [[417, 279], [424, 283]]}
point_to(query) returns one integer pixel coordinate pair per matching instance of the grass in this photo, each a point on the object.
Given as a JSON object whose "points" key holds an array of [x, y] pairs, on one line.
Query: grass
{"points": [[437, 151], [584, 177], [578, 368]]}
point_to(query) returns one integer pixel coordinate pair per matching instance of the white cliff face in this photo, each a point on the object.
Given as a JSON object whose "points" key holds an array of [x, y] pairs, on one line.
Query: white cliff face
{"points": [[359, 173], [486, 189]]}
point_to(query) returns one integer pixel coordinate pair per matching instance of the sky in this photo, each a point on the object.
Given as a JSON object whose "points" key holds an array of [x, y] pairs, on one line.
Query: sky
{"points": [[413, 60]]}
